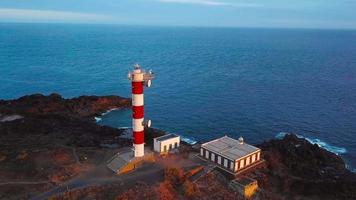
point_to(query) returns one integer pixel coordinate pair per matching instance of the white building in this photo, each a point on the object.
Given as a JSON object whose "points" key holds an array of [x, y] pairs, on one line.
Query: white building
{"points": [[230, 154], [166, 143]]}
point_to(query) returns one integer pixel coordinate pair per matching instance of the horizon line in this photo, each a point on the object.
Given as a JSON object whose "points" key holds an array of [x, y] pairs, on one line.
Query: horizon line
{"points": [[181, 26]]}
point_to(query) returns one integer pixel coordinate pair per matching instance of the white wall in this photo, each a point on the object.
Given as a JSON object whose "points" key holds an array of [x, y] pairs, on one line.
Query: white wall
{"points": [[207, 153], [242, 164], [232, 165], [158, 146]]}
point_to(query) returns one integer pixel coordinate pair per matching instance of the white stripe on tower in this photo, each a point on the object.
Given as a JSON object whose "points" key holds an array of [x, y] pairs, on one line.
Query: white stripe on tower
{"points": [[137, 99]]}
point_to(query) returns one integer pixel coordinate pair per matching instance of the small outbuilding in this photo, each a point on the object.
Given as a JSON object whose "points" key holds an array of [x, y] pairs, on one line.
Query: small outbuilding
{"points": [[246, 186], [166, 143], [231, 155]]}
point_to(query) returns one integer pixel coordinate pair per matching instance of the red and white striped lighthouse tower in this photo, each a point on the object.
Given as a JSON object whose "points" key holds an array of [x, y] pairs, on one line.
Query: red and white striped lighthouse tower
{"points": [[139, 79]]}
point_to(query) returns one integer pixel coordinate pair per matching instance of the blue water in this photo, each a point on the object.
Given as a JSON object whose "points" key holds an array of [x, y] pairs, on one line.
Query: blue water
{"points": [[210, 82]]}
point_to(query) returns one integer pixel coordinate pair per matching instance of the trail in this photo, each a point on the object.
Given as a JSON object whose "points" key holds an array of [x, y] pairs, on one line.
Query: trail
{"points": [[102, 176], [24, 182]]}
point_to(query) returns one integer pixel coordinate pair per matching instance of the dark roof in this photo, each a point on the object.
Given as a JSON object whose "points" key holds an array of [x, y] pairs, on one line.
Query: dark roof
{"points": [[166, 137], [230, 148]]}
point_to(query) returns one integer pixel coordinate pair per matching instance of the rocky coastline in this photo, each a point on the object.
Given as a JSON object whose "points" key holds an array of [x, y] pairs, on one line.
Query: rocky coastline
{"points": [[39, 134]]}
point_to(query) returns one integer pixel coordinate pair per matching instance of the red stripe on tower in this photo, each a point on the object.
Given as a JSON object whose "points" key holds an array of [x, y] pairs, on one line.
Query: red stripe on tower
{"points": [[137, 87], [138, 112], [139, 137]]}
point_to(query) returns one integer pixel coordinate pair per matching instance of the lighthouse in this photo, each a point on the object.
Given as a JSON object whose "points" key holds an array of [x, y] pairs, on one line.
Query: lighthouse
{"points": [[139, 79]]}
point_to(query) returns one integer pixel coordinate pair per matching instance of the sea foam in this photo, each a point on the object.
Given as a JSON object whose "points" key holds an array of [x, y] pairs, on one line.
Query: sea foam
{"points": [[353, 170], [97, 119], [334, 149], [107, 112], [190, 141]]}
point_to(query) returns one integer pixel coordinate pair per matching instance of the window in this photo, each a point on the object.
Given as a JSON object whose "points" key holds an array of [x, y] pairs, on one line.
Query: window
{"points": [[201, 151], [232, 165], [170, 146], [175, 145], [212, 157], [225, 163], [253, 158], [207, 154], [219, 160], [164, 148]]}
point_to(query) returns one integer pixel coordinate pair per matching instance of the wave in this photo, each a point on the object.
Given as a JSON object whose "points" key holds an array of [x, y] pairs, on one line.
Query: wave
{"points": [[334, 149], [109, 111], [97, 119], [353, 170], [124, 127], [190, 141]]}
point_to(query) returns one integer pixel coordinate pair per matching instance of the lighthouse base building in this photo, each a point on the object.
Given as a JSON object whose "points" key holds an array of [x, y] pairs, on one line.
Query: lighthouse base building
{"points": [[231, 155]]}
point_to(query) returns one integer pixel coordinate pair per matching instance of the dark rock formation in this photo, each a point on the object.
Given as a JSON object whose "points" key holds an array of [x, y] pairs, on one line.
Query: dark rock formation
{"points": [[54, 104], [296, 167], [151, 133], [40, 121]]}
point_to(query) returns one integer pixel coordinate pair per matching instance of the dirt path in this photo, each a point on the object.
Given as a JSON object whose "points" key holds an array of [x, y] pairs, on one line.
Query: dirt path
{"points": [[150, 173], [24, 182], [102, 176]]}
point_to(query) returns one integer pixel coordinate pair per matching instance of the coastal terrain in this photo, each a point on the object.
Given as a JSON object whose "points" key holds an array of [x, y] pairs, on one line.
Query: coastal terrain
{"points": [[52, 147]]}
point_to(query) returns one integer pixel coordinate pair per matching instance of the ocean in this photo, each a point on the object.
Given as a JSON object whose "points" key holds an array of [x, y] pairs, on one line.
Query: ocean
{"points": [[255, 83]]}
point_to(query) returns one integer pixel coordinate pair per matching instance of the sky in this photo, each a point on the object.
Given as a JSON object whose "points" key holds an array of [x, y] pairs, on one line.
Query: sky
{"points": [[329, 14]]}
